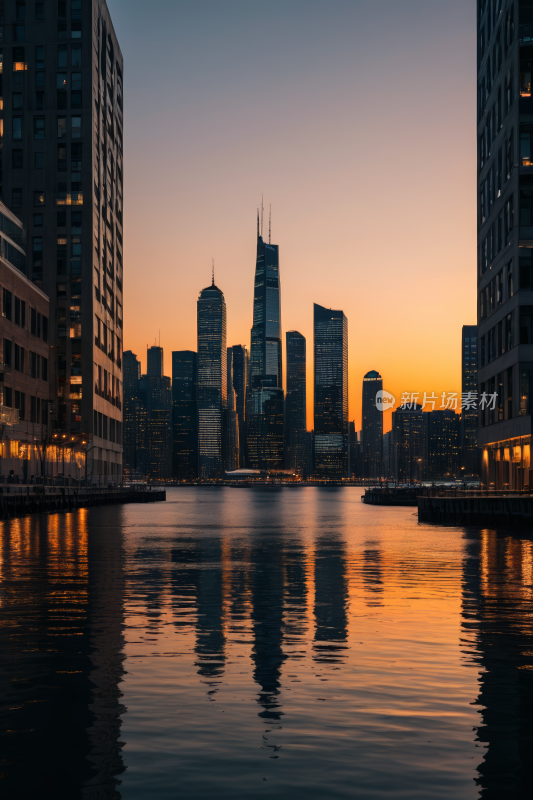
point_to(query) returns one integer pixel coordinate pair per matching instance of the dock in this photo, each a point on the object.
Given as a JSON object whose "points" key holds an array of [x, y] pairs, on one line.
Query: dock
{"points": [[489, 510], [18, 501], [393, 496]]}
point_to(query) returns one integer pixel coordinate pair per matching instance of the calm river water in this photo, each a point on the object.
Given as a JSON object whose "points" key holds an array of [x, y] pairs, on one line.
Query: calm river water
{"points": [[248, 643]]}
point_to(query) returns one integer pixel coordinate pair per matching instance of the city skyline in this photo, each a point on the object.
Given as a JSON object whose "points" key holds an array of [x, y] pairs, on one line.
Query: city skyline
{"points": [[326, 213]]}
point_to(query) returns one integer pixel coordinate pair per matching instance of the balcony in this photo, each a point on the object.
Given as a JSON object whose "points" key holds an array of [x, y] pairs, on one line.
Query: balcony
{"points": [[9, 416]]}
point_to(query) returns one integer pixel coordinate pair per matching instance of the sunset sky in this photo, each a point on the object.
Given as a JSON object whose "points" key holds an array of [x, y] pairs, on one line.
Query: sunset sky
{"points": [[356, 121]]}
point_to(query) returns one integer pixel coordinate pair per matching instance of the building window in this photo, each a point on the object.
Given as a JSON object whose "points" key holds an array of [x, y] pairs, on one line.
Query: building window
{"points": [[75, 97], [37, 220], [37, 257], [8, 397], [61, 218], [76, 55], [18, 33], [39, 11], [38, 129], [8, 349], [38, 198], [39, 101], [38, 160], [7, 303], [44, 368], [61, 255], [62, 54], [75, 221], [75, 13], [16, 198], [39, 57], [76, 127], [61, 127], [17, 129], [61, 157], [17, 159], [16, 101], [39, 78], [45, 331]]}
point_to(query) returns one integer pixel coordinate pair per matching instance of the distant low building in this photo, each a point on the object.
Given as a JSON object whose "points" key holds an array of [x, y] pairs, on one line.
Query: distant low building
{"points": [[409, 443], [441, 444]]}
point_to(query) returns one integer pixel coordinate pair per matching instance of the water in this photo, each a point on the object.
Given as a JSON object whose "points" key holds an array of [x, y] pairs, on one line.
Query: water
{"points": [[243, 643]]}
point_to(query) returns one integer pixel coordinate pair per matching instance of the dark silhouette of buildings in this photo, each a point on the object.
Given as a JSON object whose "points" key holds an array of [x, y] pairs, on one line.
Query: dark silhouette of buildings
{"points": [[156, 397], [331, 393], [470, 456], [231, 421], [389, 456], [505, 232], [372, 427], [132, 375], [264, 424], [212, 381], [356, 453], [184, 415], [63, 131], [442, 444], [295, 402]]}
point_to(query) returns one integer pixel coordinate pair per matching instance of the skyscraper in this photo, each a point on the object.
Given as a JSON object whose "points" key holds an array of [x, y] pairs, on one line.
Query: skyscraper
{"points": [[62, 174], [239, 372], [408, 438], [212, 381], [265, 398], [468, 436], [155, 363], [184, 415], [442, 444], [132, 374], [331, 393], [505, 239], [372, 427], [231, 421], [156, 396], [295, 402]]}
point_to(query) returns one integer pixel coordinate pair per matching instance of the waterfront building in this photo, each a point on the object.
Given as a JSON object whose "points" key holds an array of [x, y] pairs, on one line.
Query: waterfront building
{"points": [[212, 381], [331, 393], [132, 375], [184, 415], [372, 427], [505, 241], [441, 444], [389, 459], [156, 398], [355, 452], [239, 377], [469, 451], [296, 402], [231, 421], [408, 437], [62, 175], [264, 423]]}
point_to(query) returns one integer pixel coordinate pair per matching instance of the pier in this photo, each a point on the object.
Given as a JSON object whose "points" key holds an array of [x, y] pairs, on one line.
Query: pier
{"points": [[478, 509], [18, 501]]}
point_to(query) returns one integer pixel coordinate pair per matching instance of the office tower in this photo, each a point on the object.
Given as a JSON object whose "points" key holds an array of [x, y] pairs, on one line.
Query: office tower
{"points": [[408, 435], [264, 422], [184, 415], [231, 421], [442, 444], [388, 456], [132, 374], [505, 238], [372, 427], [62, 174], [331, 393], [155, 366], [295, 402], [212, 381], [239, 371], [355, 452], [468, 430], [155, 395]]}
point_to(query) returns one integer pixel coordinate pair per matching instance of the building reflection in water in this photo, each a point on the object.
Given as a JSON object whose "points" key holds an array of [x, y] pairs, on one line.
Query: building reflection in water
{"points": [[498, 622], [373, 574], [210, 637], [331, 599], [61, 643]]}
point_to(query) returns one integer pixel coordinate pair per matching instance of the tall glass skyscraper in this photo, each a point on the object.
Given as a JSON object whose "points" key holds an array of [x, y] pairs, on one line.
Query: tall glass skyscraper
{"points": [[470, 456], [331, 393], [372, 427], [265, 406], [295, 402], [212, 381], [184, 415], [239, 374]]}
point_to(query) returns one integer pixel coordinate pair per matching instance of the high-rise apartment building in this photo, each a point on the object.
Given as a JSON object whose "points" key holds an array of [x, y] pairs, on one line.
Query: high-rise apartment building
{"points": [[62, 175], [441, 444], [264, 423], [331, 393], [469, 451], [296, 402], [212, 381], [184, 415], [372, 427], [505, 240]]}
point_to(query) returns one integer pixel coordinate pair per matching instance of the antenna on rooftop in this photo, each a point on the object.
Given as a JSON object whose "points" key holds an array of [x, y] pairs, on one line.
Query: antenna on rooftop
{"points": [[213, 272], [261, 216]]}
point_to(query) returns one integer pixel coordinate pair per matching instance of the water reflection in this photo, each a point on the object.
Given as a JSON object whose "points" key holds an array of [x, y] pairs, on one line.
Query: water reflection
{"points": [[232, 627]]}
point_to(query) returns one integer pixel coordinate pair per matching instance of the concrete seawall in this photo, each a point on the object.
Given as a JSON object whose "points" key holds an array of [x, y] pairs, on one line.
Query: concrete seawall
{"points": [[33, 500], [504, 511]]}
